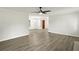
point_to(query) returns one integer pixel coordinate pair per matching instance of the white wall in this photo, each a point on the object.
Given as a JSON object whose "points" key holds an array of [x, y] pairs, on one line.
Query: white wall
{"points": [[13, 24], [67, 24], [34, 22]]}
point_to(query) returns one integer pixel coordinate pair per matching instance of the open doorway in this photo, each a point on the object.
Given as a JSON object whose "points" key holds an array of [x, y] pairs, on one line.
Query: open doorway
{"points": [[38, 22]]}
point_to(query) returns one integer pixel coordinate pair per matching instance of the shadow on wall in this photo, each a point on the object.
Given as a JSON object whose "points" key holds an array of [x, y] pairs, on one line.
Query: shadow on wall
{"points": [[77, 23], [66, 24]]}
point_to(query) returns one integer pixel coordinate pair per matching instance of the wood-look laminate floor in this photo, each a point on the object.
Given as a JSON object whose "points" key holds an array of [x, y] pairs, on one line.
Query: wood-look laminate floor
{"points": [[54, 42]]}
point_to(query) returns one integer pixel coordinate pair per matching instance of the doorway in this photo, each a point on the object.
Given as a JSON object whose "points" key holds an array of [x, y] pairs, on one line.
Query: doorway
{"points": [[38, 22]]}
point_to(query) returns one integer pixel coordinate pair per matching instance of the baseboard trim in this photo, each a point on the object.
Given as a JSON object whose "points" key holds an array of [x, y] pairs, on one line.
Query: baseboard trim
{"points": [[13, 37], [64, 34]]}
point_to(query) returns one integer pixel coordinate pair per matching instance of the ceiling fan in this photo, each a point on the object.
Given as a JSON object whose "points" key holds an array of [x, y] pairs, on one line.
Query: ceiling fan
{"points": [[42, 11]]}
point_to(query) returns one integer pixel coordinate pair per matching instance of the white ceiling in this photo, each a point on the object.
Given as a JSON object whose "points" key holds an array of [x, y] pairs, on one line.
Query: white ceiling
{"points": [[55, 10], [31, 9]]}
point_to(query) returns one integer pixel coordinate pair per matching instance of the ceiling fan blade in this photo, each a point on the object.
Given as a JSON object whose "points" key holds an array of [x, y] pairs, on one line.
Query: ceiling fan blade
{"points": [[47, 11], [36, 12]]}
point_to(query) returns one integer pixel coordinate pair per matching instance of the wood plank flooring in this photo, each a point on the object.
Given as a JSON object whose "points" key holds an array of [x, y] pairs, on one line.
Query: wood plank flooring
{"points": [[55, 42]]}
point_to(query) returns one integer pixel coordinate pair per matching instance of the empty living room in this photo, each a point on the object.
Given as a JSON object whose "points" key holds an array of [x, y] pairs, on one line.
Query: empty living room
{"points": [[39, 28]]}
